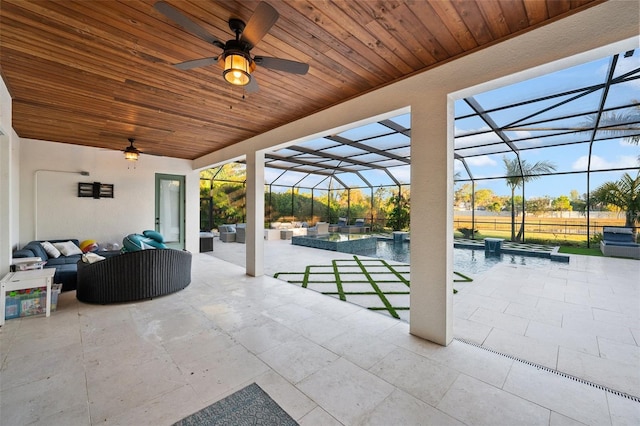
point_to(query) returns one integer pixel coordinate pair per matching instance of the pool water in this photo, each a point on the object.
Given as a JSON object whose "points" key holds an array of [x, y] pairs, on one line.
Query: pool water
{"points": [[342, 237], [466, 261]]}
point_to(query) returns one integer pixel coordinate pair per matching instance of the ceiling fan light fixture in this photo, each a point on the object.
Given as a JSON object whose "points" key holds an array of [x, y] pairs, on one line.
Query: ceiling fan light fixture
{"points": [[131, 153], [237, 69]]}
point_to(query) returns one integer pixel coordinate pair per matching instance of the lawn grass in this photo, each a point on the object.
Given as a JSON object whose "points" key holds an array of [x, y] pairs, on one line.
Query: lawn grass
{"points": [[593, 251]]}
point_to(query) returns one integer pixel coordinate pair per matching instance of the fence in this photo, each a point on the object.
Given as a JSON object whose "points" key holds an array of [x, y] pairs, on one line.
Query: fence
{"points": [[538, 227]]}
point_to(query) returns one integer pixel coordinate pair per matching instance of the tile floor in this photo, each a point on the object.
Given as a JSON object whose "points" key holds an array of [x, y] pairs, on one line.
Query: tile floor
{"points": [[581, 318], [324, 361]]}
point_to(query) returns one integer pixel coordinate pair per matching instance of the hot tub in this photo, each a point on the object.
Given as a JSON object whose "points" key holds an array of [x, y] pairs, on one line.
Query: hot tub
{"points": [[344, 243]]}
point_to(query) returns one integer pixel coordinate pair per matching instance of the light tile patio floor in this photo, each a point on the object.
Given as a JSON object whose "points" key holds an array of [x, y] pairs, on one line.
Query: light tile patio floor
{"points": [[324, 361], [581, 318]]}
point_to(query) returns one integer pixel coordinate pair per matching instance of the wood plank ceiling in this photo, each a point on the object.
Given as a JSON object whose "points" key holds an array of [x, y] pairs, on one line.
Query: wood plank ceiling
{"points": [[98, 72]]}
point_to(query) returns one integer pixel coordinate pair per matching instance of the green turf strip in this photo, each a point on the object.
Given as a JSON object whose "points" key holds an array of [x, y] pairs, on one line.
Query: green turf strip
{"points": [[334, 276], [381, 295], [338, 280]]}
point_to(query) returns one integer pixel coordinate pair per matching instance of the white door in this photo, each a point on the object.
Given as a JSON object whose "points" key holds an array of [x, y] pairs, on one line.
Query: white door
{"points": [[170, 209]]}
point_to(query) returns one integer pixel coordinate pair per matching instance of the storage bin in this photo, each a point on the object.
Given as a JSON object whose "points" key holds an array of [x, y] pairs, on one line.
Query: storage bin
{"points": [[55, 292], [33, 303], [12, 305]]}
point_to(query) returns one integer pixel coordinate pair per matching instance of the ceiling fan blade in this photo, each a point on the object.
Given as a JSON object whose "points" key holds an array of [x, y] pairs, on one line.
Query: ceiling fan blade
{"points": [[259, 24], [282, 65], [252, 87], [176, 16], [195, 63]]}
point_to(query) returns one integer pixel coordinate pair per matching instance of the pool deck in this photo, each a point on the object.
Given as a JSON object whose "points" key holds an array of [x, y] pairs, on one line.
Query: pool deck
{"points": [[581, 318]]}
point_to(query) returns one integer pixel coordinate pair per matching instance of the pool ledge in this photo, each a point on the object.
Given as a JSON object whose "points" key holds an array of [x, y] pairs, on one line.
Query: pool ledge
{"points": [[508, 247]]}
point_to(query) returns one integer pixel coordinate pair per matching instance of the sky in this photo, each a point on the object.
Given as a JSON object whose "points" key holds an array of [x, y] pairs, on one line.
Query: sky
{"points": [[613, 153], [607, 154]]}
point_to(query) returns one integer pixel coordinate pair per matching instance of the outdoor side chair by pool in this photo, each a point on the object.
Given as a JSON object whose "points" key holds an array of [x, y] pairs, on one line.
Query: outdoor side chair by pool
{"points": [[227, 233], [619, 241], [320, 228], [358, 227], [335, 227]]}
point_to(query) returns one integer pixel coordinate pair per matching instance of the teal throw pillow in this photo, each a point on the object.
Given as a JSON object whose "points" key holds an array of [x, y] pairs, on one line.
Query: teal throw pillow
{"points": [[153, 235]]}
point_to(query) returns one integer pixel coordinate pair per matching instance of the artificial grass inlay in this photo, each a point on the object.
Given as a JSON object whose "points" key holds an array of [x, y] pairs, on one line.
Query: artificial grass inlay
{"points": [[356, 277]]}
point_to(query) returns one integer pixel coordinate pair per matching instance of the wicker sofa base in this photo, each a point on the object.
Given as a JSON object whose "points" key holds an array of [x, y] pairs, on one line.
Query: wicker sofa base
{"points": [[134, 276]]}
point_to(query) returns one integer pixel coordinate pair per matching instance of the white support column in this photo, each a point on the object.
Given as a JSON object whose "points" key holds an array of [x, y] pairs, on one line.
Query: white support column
{"points": [[432, 220], [5, 204], [255, 214], [8, 210]]}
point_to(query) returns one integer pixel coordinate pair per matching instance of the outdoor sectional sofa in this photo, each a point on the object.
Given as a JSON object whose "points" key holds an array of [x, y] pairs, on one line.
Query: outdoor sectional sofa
{"points": [[619, 241], [66, 268], [136, 275]]}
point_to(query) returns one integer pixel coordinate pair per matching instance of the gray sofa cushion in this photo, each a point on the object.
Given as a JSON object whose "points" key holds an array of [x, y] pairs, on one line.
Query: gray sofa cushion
{"points": [[37, 250]]}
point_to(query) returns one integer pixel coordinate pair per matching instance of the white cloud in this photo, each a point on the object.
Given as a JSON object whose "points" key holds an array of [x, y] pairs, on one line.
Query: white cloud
{"points": [[402, 173], [462, 142], [474, 140], [599, 163], [628, 64], [481, 161]]}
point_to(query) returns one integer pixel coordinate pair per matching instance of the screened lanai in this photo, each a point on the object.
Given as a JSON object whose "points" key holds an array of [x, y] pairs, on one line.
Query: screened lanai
{"points": [[582, 122]]}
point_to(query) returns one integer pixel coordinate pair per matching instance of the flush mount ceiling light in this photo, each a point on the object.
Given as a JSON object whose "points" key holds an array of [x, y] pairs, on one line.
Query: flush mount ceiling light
{"points": [[131, 153]]}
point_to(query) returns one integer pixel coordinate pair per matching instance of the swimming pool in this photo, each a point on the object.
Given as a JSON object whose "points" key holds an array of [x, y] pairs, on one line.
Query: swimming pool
{"points": [[466, 261]]}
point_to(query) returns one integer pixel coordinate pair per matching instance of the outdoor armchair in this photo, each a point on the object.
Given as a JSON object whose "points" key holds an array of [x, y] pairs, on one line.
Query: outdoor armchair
{"points": [[321, 228], [227, 233]]}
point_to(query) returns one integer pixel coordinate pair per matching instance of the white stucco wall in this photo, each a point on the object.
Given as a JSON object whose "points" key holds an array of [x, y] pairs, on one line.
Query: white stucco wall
{"points": [[48, 193]]}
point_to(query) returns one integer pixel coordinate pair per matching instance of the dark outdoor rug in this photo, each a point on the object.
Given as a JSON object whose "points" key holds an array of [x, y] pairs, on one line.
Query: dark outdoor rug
{"points": [[248, 406]]}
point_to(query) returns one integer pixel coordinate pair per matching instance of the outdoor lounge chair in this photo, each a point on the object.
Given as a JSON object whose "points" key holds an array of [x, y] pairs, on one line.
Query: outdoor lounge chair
{"points": [[619, 241], [321, 228], [342, 222], [358, 227]]}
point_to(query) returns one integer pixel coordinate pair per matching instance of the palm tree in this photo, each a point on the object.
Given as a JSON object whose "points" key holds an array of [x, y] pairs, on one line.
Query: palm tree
{"points": [[624, 194], [625, 125], [517, 173]]}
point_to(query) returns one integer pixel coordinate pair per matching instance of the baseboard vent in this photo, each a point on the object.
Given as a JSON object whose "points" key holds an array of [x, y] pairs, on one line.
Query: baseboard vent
{"points": [[551, 370]]}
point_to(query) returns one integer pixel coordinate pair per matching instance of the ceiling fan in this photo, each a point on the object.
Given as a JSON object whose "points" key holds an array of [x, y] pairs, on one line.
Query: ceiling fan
{"points": [[236, 59]]}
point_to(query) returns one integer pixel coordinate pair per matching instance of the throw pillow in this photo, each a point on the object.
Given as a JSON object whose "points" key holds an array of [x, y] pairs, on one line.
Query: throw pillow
{"points": [[68, 248], [150, 243], [154, 235], [91, 258], [50, 249], [133, 242]]}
